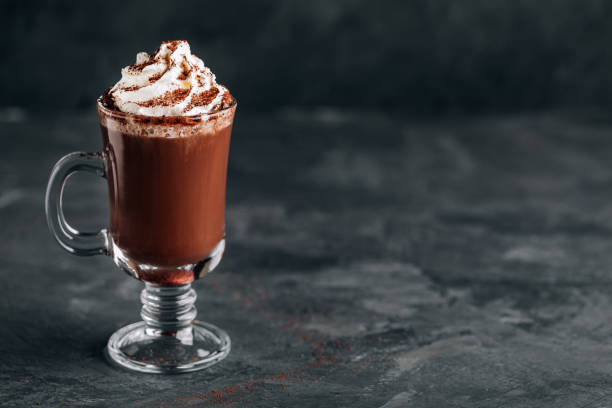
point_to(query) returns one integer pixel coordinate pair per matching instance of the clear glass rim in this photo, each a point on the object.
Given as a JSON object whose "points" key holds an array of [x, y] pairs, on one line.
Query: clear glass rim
{"points": [[187, 118]]}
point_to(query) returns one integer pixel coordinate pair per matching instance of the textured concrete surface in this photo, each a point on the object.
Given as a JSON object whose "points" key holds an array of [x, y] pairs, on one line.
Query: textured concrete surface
{"points": [[372, 261]]}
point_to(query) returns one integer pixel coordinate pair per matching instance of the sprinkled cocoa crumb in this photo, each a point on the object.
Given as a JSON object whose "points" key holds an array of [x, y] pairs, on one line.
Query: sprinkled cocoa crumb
{"points": [[139, 68], [186, 70], [225, 102], [167, 99], [131, 88], [172, 44], [155, 77]]}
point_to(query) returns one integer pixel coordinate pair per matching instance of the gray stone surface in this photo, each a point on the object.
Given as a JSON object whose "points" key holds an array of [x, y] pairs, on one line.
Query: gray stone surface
{"points": [[372, 261]]}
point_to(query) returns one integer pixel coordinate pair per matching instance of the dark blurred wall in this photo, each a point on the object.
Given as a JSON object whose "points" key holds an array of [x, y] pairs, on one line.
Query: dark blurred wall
{"points": [[424, 56]]}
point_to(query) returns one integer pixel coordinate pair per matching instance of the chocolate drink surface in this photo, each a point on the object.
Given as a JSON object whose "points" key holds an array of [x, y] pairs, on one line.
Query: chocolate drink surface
{"points": [[167, 194]]}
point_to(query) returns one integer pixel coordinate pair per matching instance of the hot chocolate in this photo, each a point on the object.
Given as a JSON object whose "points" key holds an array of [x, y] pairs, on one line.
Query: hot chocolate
{"points": [[166, 129]]}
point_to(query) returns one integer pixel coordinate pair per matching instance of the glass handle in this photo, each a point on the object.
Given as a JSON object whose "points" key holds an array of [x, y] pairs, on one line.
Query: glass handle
{"points": [[71, 239]]}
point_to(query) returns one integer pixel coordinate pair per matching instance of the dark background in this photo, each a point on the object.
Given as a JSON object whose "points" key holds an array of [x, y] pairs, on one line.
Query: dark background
{"points": [[420, 56]]}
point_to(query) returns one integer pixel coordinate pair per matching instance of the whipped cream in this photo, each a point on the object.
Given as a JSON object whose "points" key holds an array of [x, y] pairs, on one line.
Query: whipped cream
{"points": [[172, 82]]}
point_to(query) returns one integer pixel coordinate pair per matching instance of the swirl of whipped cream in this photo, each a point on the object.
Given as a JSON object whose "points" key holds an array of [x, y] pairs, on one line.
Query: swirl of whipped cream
{"points": [[172, 82]]}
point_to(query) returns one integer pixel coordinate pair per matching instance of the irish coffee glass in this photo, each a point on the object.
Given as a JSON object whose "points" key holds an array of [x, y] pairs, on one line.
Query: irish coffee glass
{"points": [[147, 239]]}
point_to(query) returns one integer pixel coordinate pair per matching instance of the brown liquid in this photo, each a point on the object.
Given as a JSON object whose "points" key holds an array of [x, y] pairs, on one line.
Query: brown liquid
{"points": [[167, 197]]}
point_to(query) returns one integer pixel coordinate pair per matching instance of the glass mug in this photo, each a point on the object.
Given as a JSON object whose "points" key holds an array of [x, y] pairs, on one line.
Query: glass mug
{"points": [[166, 182]]}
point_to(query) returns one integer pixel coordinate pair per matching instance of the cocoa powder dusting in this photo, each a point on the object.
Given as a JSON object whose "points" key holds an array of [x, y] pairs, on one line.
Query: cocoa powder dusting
{"points": [[167, 99], [225, 102], [204, 98], [155, 77], [171, 44], [328, 357], [186, 70], [139, 68]]}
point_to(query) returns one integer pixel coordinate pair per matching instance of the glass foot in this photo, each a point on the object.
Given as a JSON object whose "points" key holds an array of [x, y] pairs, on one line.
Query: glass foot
{"points": [[168, 340], [137, 348]]}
